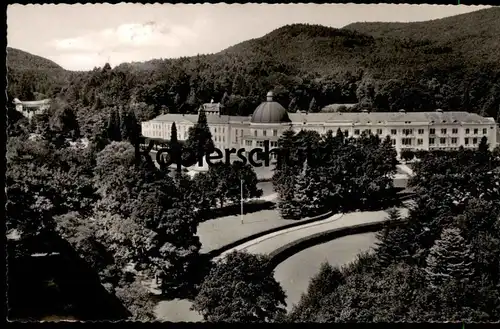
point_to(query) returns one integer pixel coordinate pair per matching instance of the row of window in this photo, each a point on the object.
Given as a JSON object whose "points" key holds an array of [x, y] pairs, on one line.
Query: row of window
{"points": [[442, 141], [444, 131], [261, 143], [432, 131], [264, 132]]}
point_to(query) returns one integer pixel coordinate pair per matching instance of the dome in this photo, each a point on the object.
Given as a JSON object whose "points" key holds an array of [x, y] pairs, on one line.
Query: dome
{"points": [[270, 112]]}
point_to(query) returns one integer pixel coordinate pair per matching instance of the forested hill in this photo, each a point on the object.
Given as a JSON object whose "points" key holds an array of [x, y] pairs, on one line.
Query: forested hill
{"points": [[23, 60], [31, 76], [475, 34], [308, 66]]}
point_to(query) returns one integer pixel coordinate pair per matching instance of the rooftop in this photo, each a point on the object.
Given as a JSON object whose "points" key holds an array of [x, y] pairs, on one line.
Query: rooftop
{"points": [[385, 117], [193, 118], [32, 103], [357, 117]]}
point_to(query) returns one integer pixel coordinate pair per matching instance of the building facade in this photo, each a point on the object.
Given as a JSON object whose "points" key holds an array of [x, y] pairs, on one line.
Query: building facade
{"points": [[437, 130], [31, 108]]}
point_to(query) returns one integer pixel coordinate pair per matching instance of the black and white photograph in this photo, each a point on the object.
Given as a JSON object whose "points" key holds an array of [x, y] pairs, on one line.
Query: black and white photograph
{"points": [[253, 163]]}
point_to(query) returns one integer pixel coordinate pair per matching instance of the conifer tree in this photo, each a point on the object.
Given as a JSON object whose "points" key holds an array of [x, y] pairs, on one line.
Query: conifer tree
{"points": [[292, 107], [449, 260], [308, 191], [114, 133], [393, 242], [200, 137], [129, 127], [288, 206], [173, 135], [313, 107]]}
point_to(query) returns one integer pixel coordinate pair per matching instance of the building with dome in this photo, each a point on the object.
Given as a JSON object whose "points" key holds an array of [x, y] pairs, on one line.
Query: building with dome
{"points": [[435, 130]]}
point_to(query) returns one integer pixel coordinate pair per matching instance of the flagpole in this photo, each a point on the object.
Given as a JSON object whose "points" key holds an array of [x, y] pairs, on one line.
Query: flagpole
{"points": [[241, 190]]}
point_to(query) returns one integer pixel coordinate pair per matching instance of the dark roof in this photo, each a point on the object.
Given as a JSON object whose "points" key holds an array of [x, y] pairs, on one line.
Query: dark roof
{"points": [[270, 112], [193, 118]]}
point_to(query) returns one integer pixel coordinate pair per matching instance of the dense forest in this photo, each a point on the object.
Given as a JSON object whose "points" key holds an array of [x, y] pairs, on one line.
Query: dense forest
{"points": [[384, 67]]}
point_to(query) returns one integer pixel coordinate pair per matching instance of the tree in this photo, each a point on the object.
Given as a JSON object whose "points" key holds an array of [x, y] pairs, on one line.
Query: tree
{"points": [[240, 289], [309, 191], [130, 129], [114, 133], [393, 242], [450, 259], [313, 107], [321, 285], [200, 138]]}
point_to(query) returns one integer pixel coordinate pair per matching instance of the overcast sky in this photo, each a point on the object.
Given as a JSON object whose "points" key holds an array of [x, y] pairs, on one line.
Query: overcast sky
{"points": [[81, 37]]}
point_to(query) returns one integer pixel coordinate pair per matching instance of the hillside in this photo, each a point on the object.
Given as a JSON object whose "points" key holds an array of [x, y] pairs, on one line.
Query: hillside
{"points": [[384, 67], [19, 59], [474, 34], [31, 76]]}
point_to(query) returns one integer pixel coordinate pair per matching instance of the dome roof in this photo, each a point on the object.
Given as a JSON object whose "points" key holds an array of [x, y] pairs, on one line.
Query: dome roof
{"points": [[270, 112]]}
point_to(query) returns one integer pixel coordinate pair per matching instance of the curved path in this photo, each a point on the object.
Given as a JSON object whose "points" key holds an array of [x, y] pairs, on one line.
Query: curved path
{"points": [[179, 310], [271, 242]]}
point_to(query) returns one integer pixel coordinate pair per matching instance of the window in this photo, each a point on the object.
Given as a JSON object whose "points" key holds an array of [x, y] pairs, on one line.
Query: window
{"points": [[408, 131], [432, 131], [393, 141], [379, 131], [241, 132], [260, 143], [346, 133], [420, 141], [215, 130], [236, 139], [264, 132], [275, 132], [224, 139], [466, 140], [485, 131], [454, 131], [248, 143], [356, 131], [467, 131], [431, 141], [474, 140], [475, 131], [454, 140], [443, 131], [223, 130], [394, 131], [368, 131], [442, 141], [420, 131], [274, 144], [406, 141], [255, 133]]}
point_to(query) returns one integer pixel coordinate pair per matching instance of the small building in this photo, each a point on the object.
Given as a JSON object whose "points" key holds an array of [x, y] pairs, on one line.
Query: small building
{"points": [[211, 108], [30, 108]]}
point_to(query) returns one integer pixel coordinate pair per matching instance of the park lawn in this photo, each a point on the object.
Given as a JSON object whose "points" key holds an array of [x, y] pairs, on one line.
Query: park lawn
{"points": [[218, 232]]}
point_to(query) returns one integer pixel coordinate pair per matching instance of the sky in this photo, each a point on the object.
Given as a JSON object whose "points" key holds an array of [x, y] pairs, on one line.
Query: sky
{"points": [[81, 37]]}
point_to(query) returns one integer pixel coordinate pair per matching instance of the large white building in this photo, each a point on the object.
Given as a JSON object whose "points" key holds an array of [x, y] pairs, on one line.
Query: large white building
{"points": [[437, 130]]}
